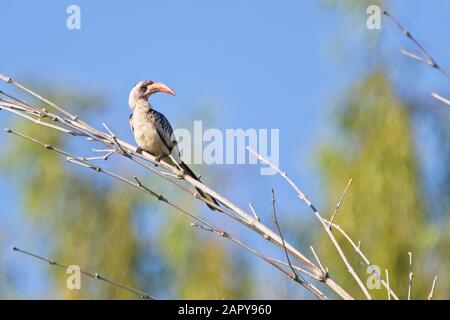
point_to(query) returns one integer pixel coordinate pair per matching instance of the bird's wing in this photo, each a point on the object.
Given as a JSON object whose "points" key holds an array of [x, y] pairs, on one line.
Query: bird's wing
{"points": [[165, 132]]}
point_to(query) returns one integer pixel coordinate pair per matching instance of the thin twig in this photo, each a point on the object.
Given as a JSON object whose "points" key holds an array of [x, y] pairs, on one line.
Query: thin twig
{"points": [[96, 276], [413, 56], [340, 201], [441, 98], [102, 150], [411, 275], [171, 175], [254, 211], [104, 157], [388, 286], [114, 138], [317, 259], [275, 221], [306, 272], [430, 295]]}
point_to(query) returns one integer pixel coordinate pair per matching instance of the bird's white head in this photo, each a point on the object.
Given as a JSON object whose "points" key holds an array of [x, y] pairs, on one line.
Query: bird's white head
{"points": [[145, 88]]}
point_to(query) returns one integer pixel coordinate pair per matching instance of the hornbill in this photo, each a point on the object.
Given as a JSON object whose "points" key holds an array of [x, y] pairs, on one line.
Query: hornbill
{"points": [[153, 132]]}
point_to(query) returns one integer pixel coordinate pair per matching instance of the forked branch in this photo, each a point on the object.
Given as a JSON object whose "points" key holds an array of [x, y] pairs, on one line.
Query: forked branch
{"points": [[424, 57]]}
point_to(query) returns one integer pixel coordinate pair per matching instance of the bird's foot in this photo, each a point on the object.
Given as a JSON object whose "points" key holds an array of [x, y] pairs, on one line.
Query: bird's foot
{"points": [[139, 150], [180, 175], [158, 159]]}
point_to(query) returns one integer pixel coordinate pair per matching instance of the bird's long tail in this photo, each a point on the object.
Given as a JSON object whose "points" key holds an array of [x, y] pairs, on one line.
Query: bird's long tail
{"points": [[189, 172]]}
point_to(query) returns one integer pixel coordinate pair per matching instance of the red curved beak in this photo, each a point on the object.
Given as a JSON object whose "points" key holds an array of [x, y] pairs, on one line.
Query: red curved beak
{"points": [[160, 87]]}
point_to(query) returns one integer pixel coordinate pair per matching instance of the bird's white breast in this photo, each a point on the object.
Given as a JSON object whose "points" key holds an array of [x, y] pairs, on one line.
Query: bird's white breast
{"points": [[146, 135]]}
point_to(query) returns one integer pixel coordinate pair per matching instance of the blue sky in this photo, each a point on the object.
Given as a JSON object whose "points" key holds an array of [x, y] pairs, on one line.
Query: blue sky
{"points": [[255, 64]]}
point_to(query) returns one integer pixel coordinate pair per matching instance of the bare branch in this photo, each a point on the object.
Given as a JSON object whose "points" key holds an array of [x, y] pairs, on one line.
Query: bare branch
{"points": [[317, 259], [430, 295], [303, 198], [441, 98], [254, 211], [411, 274], [114, 138], [340, 202], [95, 276], [102, 150], [413, 56], [388, 286], [104, 157], [309, 274], [275, 221]]}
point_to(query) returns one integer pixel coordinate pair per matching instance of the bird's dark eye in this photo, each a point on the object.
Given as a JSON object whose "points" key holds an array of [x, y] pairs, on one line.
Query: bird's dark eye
{"points": [[143, 87]]}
